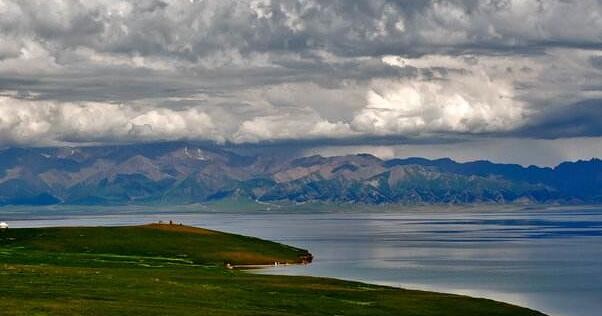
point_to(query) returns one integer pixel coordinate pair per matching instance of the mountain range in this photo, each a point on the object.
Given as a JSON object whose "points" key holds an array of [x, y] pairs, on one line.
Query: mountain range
{"points": [[177, 172]]}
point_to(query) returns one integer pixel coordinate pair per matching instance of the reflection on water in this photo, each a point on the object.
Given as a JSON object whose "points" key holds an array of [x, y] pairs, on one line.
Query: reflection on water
{"points": [[550, 260]]}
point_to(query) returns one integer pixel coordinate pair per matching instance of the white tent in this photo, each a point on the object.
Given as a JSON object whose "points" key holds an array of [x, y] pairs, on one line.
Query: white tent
{"points": [[3, 225]]}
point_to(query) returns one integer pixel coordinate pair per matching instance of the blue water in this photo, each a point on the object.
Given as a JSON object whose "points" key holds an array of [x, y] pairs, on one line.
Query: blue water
{"points": [[549, 260]]}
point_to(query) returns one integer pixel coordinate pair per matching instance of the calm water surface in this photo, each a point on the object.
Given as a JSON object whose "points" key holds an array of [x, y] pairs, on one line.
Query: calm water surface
{"points": [[549, 260]]}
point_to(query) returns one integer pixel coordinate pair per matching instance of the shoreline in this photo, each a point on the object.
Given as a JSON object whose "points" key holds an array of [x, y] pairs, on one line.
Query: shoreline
{"points": [[412, 287]]}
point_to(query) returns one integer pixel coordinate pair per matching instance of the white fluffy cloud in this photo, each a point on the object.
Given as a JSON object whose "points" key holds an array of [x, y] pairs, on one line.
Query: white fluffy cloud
{"points": [[289, 127], [408, 107], [467, 97], [45, 122], [25, 121]]}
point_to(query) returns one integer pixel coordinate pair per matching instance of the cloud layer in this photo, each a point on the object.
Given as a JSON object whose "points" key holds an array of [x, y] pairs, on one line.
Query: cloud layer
{"points": [[103, 71]]}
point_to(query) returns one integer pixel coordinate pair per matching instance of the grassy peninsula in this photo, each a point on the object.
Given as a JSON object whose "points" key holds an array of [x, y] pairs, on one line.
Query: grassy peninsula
{"points": [[163, 269]]}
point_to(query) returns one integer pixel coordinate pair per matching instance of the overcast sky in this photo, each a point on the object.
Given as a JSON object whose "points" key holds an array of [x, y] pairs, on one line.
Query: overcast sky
{"points": [[506, 80]]}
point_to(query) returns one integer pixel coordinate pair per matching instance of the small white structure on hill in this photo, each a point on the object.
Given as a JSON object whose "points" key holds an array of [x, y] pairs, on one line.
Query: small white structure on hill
{"points": [[3, 225]]}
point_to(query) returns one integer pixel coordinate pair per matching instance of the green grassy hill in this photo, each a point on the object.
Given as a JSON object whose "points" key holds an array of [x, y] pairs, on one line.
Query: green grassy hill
{"points": [[180, 270], [159, 241]]}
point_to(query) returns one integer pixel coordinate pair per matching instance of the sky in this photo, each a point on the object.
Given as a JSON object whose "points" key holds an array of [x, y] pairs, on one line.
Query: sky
{"points": [[505, 80]]}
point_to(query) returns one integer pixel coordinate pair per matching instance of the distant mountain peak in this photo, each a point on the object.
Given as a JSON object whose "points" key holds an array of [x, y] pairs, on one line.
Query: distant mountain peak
{"points": [[182, 173]]}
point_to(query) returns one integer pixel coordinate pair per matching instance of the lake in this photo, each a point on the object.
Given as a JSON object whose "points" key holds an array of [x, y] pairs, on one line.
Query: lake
{"points": [[546, 259]]}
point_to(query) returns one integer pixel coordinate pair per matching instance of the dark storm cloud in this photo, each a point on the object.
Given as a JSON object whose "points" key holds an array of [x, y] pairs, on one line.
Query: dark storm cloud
{"points": [[577, 120], [192, 29], [291, 70]]}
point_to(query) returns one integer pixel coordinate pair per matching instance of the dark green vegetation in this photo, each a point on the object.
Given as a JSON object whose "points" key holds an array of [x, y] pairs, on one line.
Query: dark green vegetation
{"points": [[186, 244], [178, 270], [185, 173]]}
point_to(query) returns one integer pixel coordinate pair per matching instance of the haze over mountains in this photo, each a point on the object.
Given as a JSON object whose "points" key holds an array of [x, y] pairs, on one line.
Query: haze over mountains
{"points": [[185, 173]]}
